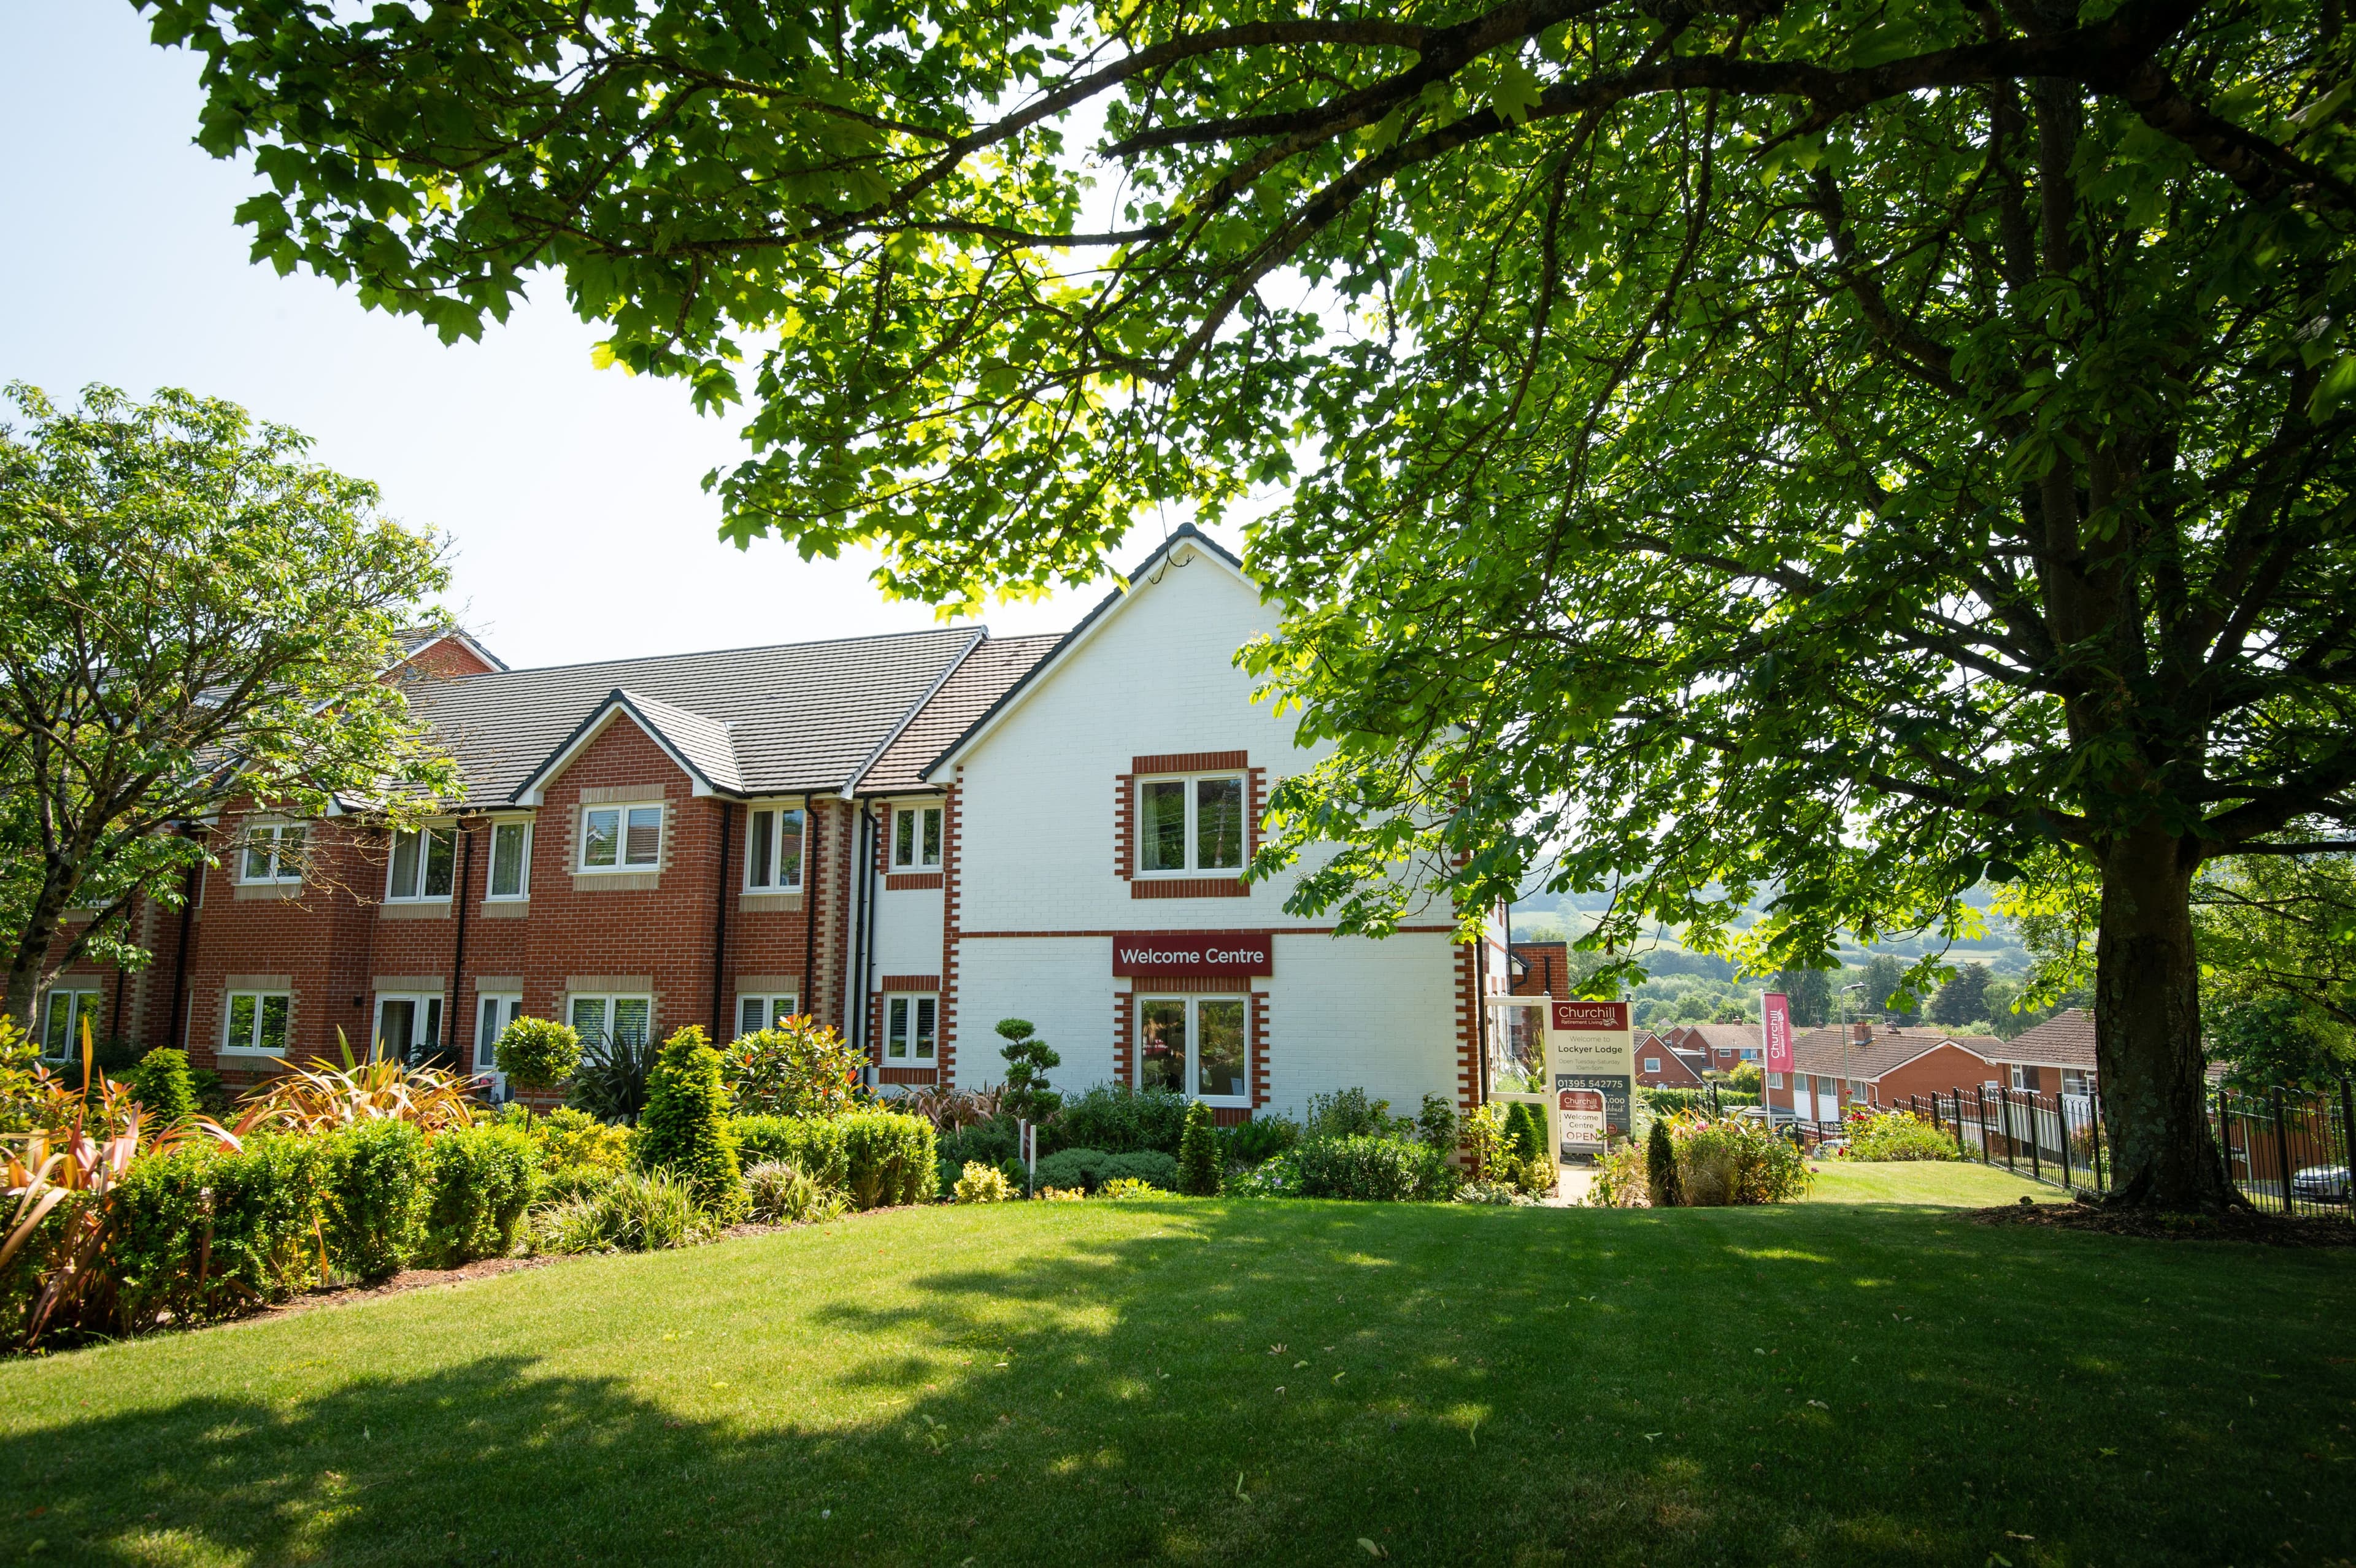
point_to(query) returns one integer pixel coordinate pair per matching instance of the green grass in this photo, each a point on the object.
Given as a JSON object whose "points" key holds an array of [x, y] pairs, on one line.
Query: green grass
{"points": [[1835, 1383], [1949, 1184]]}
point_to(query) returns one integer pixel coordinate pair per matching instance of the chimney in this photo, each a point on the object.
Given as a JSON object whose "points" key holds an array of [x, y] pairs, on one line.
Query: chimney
{"points": [[1861, 1031]]}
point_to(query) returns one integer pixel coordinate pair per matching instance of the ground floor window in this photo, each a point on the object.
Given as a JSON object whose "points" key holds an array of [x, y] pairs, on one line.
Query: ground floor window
{"points": [[616, 1020], [256, 1021], [409, 1027], [909, 1025], [493, 1013], [1775, 1081], [1194, 1045], [755, 1014], [63, 1014]]}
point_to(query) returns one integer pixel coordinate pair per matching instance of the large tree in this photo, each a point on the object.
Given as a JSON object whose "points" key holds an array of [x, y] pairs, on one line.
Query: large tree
{"points": [[189, 614], [1853, 450]]}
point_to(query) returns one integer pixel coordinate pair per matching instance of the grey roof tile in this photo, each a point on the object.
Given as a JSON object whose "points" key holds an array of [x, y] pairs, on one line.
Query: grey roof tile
{"points": [[796, 717], [989, 672]]}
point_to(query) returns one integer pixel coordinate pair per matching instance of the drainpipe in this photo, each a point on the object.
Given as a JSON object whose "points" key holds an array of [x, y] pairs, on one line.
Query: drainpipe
{"points": [[859, 913], [870, 845], [811, 861], [172, 1035], [720, 918], [459, 948]]}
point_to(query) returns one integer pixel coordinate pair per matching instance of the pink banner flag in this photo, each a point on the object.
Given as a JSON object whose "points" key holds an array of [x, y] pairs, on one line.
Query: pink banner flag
{"points": [[1776, 1009]]}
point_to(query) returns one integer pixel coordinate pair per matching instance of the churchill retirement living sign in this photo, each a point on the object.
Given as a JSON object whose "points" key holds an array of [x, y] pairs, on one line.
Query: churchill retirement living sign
{"points": [[1212, 954], [1591, 1049]]}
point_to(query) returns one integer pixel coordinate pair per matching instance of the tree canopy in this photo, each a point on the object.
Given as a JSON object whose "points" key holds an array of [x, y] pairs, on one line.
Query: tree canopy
{"points": [[189, 614], [1852, 449]]}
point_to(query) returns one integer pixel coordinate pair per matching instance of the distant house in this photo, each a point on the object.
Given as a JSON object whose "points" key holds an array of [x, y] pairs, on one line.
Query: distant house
{"points": [[2057, 1057], [1721, 1047], [1660, 1065], [1867, 1063]]}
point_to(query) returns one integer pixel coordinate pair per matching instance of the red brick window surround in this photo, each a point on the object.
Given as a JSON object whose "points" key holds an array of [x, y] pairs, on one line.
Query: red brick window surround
{"points": [[1179, 805], [1124, 1042]]}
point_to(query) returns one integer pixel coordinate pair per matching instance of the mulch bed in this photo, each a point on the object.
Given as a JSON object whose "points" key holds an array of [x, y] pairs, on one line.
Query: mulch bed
{"points": [[2235, 1225], [407, 1280]]}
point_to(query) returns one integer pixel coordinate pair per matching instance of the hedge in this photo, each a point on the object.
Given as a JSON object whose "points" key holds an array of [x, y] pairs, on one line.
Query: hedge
{"points": [[877, 1157], [375, 1197], [814, 1147], [255, 1239], [1383, 1170], [479, 1183], [1090, 1168]]}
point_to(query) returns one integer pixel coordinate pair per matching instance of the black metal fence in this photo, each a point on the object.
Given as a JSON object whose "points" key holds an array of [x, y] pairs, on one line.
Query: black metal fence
{"points": [[2285, 1151]]}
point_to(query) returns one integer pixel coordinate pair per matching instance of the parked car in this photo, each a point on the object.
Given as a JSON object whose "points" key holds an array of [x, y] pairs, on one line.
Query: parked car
{"points": [[2321, 1184]]}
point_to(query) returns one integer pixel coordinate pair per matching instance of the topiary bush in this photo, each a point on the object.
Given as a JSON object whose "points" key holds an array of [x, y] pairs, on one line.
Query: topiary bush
{"points": [[537, 1053], [1027, 1093], [1198, 1153], [1383, 1170], [890, 1159], [161, 1083], [478, 1182], [1117, 1118], [204, 1232], [814, 1147], [685, 1126], [374, 1198]]}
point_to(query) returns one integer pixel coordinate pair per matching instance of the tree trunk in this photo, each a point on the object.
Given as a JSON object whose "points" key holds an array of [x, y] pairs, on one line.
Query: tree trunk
{"points": [[2148, 1029]]}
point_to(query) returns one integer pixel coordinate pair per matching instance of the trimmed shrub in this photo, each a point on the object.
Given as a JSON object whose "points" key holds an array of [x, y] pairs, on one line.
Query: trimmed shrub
{"points": [[162, 1084], [684, 1127], [801, 1068], [1669, 1101], [1897, 1135], [376, 1181], [573, 1139], [1118, 1119], [203, 1232], [815, 1147], [1027, 1092], [981, 1184], [537, 1053], [892, 1159], [783, 1194], [478, 1182], [1376, 1168], [1091, 1168], [1265, 1137], [1526, 1135], [1660, 1167], [1198, 1153], [1734, 1160], [635, 1211]]}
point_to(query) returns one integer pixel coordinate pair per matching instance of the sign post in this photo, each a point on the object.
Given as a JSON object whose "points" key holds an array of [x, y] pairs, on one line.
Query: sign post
{"points": [[1775, 1023], [1591, 1048]]}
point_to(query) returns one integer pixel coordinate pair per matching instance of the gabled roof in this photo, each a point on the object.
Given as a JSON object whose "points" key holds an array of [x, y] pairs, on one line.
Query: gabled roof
{"points": [[1730, 1037], [1184, 534], [791, 718], [417, 639], [1820, 1051], [985, 674], [2065, 1039]]}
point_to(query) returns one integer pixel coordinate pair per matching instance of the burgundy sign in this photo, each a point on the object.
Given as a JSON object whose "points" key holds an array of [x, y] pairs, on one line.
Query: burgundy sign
{"points": [[1215, 954], [1598, 1015], [1775, 1012]]}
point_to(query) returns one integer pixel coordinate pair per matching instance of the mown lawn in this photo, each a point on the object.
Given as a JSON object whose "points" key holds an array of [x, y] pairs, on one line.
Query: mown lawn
{"points": [[1232, 1381]]}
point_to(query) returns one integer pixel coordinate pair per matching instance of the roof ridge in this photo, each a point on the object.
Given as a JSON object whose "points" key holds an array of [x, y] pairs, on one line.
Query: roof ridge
{"points": [[753, 648]]}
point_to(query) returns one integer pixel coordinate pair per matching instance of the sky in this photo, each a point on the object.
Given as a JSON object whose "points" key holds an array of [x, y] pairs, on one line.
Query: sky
{"points": [[571, 496]]}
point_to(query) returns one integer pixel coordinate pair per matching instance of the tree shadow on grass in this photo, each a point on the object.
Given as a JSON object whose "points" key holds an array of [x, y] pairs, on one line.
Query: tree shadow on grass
{"points": [[1515, 1386]]}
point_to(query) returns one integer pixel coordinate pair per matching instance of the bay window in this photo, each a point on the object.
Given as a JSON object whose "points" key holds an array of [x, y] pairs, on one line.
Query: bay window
{"points": [[423, 865], [916, 839], [1191, 823], [773, 850], [621, 837], [1194, 1045]]}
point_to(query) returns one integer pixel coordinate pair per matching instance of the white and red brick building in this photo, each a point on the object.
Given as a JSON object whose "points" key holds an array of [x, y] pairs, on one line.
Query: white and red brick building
{"points": [[911, 837]]}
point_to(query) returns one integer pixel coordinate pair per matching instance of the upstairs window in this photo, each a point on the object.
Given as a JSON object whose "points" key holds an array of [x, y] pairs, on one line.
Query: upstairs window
{"points": [[273, 853], [621, 837], [423, 864], [773, 851], [1191, 823], [909, 1022], [916, 839], [512, 860]]}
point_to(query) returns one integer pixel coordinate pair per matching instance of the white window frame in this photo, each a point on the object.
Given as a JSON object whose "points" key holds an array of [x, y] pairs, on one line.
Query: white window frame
{"points": [[775, 1007], [914, 815], [522, 894], [607, 1001], [1190, 1070], [253, 1045], [435, 1007], [1775, 1081], [424, 835], [1652, 1064], [283, 872], [2017, 1078], [902, 1013], [623, 865], [1193, 796], [509, 1006], [78, 1005], [770, 867]]}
